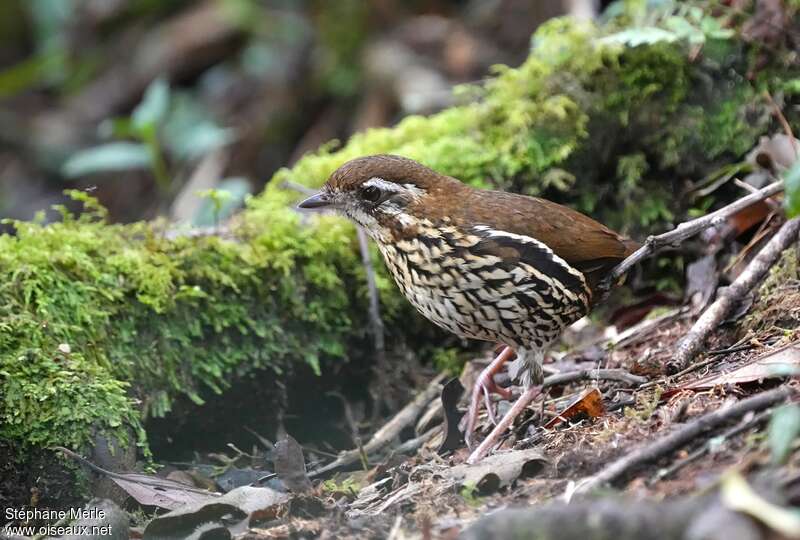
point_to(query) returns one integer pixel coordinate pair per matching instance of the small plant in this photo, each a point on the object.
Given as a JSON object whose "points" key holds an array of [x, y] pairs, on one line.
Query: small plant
{"points": [[348, 486], [448, 360], [469, 492], [164, 128], [220, 203], [645, 406]]}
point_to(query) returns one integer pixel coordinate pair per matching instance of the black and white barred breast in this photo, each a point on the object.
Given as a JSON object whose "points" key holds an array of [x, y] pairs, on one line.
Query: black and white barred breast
{"points": [[488, 284]]}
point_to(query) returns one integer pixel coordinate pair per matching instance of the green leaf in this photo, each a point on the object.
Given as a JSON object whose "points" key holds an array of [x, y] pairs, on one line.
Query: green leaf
{"points": [[784, 427], [190, 132], [712, 28], [153, 108], [220, 203], [120, 128], [28, 73], [792, 86], [118, 156], [685, 30], [640, 36], [791, 179]]}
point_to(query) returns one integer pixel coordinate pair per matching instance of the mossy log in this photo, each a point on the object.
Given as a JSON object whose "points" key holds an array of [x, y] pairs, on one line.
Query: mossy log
{"points": [[102, 325]]}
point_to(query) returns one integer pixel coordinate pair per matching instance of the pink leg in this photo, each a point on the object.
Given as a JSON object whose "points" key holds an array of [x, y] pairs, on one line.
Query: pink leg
{"points": [[483, 386], [493, 437]]}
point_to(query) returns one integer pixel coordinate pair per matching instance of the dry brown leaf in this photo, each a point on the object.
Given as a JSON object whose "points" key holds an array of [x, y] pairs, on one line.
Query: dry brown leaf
{"points": [[589, 403], [154, 491], [291, 466]]}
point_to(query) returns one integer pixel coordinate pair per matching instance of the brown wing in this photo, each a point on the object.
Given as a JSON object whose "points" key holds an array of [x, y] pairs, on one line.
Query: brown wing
{"points": [[584, 243]]}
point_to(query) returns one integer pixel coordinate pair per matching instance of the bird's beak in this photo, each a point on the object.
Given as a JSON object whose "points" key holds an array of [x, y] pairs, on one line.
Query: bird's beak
{"points": [[318, 200]]}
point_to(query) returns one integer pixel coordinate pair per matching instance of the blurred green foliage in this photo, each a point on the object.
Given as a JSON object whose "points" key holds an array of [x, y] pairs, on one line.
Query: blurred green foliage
{"points": [[784, 428], [598, 123], [162, 122], [792, 200]]}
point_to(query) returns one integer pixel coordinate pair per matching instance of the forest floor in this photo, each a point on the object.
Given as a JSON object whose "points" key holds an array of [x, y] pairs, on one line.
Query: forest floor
{"points": [[694, 448]]}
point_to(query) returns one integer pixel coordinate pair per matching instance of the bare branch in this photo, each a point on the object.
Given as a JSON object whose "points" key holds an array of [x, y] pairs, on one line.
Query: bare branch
{"points": [[686, 433], [390, 430], [727, 298], [594, 374], [686, 230]]}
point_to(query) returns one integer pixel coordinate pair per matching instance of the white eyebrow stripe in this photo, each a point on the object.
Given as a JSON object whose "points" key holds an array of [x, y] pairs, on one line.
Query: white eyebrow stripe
{"points": [[382, 184], [393, 187]]}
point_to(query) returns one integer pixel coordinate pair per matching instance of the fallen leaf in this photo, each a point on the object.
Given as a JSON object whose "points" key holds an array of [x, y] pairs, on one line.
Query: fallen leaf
{"points": [[701, 281], [775, 364], [749, 217], [737, 495], [222, 517], [182, 477], [148, 490], [775, 153], [290, 465], [154, 491], [234, 477], [453, 438], [306, 507], [498, 470], [101, 519], [589, 404]]}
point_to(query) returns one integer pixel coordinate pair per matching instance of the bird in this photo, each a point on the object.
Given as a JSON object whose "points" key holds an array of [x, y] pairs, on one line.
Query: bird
{"points": [[487, 265]]}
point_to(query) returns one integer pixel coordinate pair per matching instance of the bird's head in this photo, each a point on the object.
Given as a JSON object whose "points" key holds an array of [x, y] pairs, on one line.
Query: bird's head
{"points": [[385, 194]]}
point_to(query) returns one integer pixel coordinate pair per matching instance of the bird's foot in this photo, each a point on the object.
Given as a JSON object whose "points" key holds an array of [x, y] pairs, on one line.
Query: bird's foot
{"points": [[494, 437], [481, 390]]}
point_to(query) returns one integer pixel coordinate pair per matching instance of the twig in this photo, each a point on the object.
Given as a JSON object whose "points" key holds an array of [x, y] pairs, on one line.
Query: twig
{"points": [[731, 350], [300, 188], [413, 444], [591, 374], [690, 344], [756, 420], [697, 365], [683, 231], [394, 532], [643, 329], [376, 324], [354, 431], [745, 186], [375, 321], [763, 230], [138, 479], [380, 367], [597, 374], [681, 436], [221, 231], [389, 431]]}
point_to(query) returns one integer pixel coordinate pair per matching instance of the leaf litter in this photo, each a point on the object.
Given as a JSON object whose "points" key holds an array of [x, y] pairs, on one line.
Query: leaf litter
{"points": [[638, 427]]}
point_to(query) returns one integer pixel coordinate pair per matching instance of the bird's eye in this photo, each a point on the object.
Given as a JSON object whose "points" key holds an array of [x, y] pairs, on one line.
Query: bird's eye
{"points": [[371, 194]]}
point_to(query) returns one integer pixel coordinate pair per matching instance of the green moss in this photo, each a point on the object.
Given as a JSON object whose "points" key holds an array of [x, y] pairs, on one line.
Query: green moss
{"points": [[103, 325], [559, 123], [776, 310], [95, 316]]}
